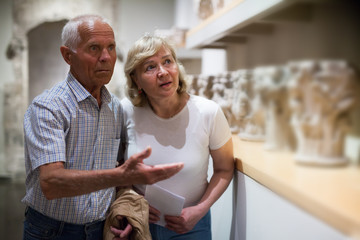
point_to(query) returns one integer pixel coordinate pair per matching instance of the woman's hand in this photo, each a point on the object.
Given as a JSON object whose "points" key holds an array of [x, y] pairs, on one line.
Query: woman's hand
{"points": [[185, 222], [154, 215]]}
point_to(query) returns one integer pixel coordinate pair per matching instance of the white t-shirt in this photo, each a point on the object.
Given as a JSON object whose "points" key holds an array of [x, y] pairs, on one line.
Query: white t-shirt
{"points": [[187, 137]]}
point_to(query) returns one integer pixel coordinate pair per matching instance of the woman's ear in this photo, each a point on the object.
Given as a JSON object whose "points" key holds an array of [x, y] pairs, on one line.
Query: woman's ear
{"points": [[134, 79], [66, 53]]}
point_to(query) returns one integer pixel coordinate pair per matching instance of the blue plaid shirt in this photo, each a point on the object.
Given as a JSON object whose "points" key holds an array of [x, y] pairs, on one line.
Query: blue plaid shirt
{"points": [[65, 124]]}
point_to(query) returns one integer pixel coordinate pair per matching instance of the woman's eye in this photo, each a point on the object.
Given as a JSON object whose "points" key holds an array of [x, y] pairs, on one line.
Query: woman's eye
{"points": [[168, 61], [150, 67]]}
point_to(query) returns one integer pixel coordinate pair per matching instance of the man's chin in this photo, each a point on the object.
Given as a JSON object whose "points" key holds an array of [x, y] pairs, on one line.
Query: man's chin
{"points": [[105, 78], [106, 81]]}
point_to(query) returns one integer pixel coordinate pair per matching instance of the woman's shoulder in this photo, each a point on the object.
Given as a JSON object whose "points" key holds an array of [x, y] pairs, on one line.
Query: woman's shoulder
{"points": [[204, 103], [129, 109], [126, 104]]}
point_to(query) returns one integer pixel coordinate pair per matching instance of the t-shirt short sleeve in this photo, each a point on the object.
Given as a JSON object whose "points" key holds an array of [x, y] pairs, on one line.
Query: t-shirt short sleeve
{"points": [[220, 132]]}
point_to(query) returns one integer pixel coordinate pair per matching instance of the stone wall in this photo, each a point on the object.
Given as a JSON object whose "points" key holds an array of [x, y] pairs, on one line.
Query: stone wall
{"points": [[27, 15]]}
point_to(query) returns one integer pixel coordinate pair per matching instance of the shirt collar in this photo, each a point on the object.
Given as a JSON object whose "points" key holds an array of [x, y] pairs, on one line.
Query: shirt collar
{"points": [[81, 93]]}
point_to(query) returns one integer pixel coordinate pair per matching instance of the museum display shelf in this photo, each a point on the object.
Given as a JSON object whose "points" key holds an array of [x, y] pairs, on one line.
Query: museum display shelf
{"points": [[234, 20], [331, 194]]}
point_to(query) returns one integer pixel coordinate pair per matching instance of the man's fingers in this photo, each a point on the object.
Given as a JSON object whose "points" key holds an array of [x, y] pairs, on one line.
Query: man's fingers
{"points": [[139, 157], [168, 170], [140, 173]]}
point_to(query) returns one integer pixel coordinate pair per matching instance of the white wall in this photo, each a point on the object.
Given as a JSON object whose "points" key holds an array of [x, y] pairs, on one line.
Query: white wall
{"points": [[137, 17], [214, 61]]}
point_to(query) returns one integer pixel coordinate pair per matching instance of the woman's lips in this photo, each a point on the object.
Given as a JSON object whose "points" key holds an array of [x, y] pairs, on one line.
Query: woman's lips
{"points": [[165, 84]]}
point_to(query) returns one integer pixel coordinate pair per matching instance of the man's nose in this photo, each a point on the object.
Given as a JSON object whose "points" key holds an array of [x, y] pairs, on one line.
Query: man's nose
{"points": [[105, 55]]}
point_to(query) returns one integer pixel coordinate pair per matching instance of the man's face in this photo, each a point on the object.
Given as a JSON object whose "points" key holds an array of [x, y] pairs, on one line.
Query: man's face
{"points": [[93, 62]]}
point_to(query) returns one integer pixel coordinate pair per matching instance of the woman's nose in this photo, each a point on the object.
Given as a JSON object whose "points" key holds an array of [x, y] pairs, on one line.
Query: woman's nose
{"points": [[162, 71]]}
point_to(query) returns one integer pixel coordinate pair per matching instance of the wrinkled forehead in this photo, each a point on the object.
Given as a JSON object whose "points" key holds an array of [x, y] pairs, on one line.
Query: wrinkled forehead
{"points": [[151, 55], [91, 29]]}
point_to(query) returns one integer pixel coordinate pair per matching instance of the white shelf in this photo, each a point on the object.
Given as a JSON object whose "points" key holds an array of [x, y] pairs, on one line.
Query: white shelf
{"points": [[329, 194], [234, 16]]}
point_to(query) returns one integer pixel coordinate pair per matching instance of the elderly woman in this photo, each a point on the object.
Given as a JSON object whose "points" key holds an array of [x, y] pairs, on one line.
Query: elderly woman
{"points": [[160, 113]]}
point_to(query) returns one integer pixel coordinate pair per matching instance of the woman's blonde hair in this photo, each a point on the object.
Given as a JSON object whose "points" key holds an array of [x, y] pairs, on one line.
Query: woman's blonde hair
{"points": [[142, 49]]}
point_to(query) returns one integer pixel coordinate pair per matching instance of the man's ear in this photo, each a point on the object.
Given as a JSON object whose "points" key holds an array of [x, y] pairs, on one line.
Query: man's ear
{"points": [[66, 53]]}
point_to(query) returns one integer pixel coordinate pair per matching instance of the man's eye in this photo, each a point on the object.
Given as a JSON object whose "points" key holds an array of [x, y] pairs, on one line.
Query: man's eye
{"points": [[93, 48]]}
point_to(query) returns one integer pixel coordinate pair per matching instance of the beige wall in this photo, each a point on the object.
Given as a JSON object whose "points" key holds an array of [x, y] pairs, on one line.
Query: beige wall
{"points": [[331, 32], [7, 74]]}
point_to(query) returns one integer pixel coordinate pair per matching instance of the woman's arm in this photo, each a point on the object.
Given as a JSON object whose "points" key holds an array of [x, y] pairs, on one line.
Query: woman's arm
{"points": [[223, 163]]}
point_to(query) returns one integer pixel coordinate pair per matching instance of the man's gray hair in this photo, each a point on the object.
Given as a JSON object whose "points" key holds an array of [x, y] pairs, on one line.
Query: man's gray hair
{"points": [[70, 36]]}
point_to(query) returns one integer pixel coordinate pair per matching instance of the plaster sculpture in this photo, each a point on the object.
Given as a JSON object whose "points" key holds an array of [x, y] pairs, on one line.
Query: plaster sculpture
{"points": [[271, 86], [204, 8], [204, 86], [254, 129], [219, 4], [240, 106], [222, 93], [322, 96], [192, 84]]}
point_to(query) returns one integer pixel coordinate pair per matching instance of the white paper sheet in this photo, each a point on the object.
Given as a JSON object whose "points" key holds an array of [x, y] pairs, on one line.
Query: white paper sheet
{"points": [[165, 201]]}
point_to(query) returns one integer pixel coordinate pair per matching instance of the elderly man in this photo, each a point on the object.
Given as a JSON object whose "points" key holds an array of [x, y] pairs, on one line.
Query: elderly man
{"points": [[72, 137]]}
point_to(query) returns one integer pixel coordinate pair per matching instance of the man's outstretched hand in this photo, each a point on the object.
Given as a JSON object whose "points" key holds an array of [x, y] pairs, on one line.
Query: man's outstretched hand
{"points": [[134, 171]]}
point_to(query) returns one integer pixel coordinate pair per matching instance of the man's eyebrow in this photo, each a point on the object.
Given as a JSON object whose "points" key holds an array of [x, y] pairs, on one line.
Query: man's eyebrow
{"points": [[91, 43]]}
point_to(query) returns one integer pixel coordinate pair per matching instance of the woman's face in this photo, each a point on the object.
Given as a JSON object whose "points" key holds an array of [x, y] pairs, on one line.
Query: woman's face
{"points": [[158, 75]]}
